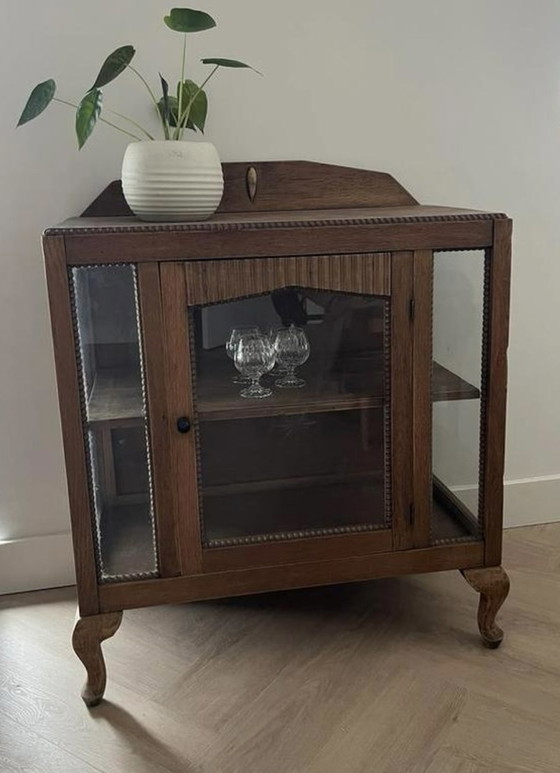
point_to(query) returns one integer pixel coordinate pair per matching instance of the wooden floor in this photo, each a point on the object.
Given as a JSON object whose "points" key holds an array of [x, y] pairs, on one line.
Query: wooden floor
{"points": [[387, 676]]}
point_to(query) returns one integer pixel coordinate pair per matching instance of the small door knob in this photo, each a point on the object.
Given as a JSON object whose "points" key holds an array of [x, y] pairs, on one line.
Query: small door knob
{"points": [[183, 424]]}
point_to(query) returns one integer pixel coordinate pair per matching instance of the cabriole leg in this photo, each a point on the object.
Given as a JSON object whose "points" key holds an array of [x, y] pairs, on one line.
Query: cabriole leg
{"points": [[88, 634], [493, 585]]}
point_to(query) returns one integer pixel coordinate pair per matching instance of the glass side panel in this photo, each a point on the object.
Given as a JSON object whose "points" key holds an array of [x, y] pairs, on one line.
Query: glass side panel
{"points": [[309, 455], [457, 353], [115, 421]]}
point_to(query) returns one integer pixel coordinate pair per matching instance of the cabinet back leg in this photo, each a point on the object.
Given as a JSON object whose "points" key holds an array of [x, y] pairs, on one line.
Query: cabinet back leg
{"points": [[88, 634], [493, 585]]}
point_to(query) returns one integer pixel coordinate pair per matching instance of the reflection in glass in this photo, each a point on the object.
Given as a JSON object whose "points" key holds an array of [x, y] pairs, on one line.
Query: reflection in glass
{"points": [[304, 462]]}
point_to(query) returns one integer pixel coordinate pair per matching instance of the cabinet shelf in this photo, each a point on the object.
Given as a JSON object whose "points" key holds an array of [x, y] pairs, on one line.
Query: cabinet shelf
{"points": [[127, 544], [116, 397], [295, 512], [122, 554], [296, 482], [218, 397]]}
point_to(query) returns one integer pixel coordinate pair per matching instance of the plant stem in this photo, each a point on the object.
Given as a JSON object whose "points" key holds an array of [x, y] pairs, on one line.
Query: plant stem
{"points": [[177, 134], [126, 118], [103, 120], [183, 121], [151, 93]]}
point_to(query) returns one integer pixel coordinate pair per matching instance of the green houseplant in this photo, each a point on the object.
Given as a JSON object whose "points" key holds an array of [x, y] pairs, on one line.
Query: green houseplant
{"points": [[167, 179]]}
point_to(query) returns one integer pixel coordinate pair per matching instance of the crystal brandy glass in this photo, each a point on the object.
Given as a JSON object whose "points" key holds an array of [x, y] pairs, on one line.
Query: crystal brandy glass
{"points": [[232, 343], [292, 350], [271, 333], [254, 356]]}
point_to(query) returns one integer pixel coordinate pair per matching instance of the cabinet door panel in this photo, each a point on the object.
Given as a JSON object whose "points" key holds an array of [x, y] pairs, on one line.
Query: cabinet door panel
{"points": [[288, 474], [114, 415]]}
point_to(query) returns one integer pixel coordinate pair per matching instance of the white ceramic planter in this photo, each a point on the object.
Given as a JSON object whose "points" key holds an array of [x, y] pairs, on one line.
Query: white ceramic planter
{"points": [[172, 180]]}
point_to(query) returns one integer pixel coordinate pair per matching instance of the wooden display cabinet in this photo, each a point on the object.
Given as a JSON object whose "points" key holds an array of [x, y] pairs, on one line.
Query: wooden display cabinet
{"points": [[388, 461]]}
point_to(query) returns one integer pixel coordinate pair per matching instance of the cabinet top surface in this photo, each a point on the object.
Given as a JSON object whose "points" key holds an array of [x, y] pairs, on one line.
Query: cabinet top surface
{"points": [[280, 219], [282, 194]]}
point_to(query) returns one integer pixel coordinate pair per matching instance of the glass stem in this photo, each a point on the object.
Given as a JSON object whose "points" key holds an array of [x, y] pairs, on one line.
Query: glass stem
{"points": [[255, 382]]}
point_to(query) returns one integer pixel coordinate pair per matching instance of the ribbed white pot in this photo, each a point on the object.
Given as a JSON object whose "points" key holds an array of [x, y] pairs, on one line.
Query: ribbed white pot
{"points": [[172, 180]]}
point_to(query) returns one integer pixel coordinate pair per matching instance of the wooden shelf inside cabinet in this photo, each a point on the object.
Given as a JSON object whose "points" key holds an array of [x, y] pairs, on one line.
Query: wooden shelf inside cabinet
{"points": [[347, 503], [116, 399], [127, 546], [447, 385], [218, 397]]}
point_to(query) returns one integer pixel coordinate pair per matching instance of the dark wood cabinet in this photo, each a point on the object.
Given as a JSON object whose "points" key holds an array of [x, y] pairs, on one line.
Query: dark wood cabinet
{"points": [[387, 460]]}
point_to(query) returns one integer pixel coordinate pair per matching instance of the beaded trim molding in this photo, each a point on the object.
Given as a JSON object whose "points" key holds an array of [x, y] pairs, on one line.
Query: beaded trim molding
{"points": [[274, 224]]}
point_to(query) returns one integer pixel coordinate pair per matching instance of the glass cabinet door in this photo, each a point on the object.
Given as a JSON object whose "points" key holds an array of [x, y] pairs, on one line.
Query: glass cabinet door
{"points": [[457, 390], [304, 451], [114, 415]]}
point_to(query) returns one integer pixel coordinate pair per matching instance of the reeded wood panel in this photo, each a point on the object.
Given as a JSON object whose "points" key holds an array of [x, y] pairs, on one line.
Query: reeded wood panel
{"points": [[211, 281]]}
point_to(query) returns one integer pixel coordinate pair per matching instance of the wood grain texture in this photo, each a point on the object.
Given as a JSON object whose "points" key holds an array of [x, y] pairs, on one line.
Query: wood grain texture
{"points": [[303, 238], [152, 331], [72, 428], [402, 416], [182, 472], [494, 390], [493, 585], [275, 553], [212, 281], [424, 386], [299, 575], [89, 633], [282, 185]]}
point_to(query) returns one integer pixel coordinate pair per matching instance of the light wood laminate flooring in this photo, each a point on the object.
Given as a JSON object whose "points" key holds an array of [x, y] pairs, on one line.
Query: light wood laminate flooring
{"points": [[381, 677]]}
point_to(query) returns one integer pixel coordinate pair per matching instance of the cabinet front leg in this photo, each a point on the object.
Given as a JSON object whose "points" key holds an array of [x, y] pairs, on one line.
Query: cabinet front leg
{"points": [[88, 634], [493, 585]]}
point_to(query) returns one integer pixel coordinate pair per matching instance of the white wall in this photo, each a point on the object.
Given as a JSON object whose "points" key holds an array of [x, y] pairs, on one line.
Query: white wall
{"points": [[460, 101]]}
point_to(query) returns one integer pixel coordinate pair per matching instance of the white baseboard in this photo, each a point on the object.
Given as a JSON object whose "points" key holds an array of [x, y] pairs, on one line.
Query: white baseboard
{"points": [[527, 501], [34, 563], [47, 562]]}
